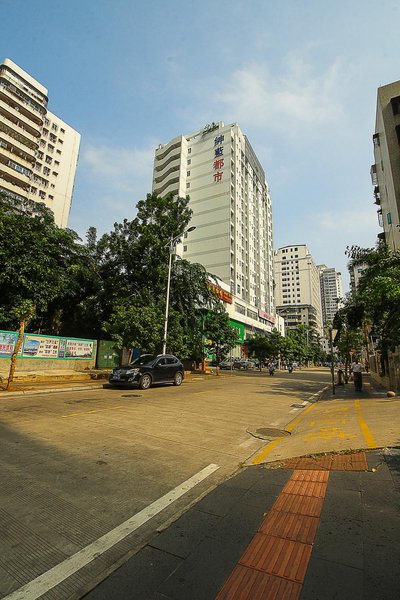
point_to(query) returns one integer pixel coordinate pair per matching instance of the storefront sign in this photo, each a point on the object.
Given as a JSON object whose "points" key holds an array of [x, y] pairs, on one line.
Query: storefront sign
{"points": [[239, 327], [222, 294], [266, 316]]}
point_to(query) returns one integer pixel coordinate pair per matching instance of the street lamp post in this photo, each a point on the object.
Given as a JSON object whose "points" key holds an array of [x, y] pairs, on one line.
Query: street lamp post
{"points": [[172, 243], [332, 335]]}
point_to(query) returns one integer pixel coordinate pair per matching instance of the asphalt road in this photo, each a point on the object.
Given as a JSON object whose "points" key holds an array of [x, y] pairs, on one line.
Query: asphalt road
{"points": [[75, 466]]}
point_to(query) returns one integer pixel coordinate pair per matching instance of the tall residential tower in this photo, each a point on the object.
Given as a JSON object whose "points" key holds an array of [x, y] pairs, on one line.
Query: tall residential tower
{"points": [[38, 151], [297, 288], [385, 172], [219, 171]]}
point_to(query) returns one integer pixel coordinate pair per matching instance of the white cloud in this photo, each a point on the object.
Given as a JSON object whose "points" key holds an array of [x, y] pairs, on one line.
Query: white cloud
{"points": [[111, 181], [289, 102]]}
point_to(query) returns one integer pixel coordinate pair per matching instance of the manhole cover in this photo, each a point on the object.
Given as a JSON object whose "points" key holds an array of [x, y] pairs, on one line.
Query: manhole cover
{"points": [[271, 432], [131, 395], [297, 405]]}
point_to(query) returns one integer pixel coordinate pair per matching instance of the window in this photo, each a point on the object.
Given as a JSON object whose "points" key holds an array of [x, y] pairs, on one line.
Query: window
{"points": [[55, 174], [49, 160], [51, 197], [40, 154], [53, 138], [187, 173], [185, 248], [62, 130], [189, 161], [57, 162], [188, 185], [189, 150], [46, 171], [389, 218], [54, 127], [38, 166], [50, 148], [58, 151], [42, 194]]}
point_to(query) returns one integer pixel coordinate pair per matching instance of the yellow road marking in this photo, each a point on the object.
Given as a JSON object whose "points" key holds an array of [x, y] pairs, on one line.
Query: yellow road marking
{"points": [[272, 445], [369, 438], [90, 412]]}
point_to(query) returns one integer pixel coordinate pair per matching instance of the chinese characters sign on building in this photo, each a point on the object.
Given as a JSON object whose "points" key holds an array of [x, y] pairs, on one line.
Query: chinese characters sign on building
{"points": [[266, 316], [222, 294], [218, 164]]}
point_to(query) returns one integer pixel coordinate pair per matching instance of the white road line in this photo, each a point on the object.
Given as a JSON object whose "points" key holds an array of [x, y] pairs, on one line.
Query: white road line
{"points": [[45, 582]]}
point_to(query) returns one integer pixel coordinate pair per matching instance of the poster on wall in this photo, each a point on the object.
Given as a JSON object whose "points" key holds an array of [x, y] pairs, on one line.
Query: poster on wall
{"points": [[40, 347], [7, 343], [79, 349]]}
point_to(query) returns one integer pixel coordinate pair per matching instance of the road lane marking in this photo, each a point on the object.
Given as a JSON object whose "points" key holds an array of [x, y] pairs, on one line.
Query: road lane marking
{"points": [[274, 443], [45, 582], [90, 412], [369, 438]]}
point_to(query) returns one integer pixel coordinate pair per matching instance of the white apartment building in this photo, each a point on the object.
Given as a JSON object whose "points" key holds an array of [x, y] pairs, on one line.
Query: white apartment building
{"points": [[38, 151], [297, 288], [331, 293], [232, 212]]}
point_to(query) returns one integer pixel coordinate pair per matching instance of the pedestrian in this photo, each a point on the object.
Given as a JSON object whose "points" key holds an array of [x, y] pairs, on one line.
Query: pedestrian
{"points": [[271, 369], [290, 367], [356, 368]]}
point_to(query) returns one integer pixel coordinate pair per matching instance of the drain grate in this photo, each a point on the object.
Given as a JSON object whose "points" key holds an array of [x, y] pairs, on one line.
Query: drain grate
{"points": [[131, 395], [271, 432]]}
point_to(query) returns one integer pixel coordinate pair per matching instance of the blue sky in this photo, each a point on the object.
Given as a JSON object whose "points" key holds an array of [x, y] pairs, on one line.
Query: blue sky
{"points": [[300, 78]]}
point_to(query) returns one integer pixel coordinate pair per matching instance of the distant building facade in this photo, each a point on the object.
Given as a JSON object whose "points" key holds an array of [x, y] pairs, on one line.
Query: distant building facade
{"points": [[385, 172], [38, 151], [331, 293], [297, 288], [232, 212]]}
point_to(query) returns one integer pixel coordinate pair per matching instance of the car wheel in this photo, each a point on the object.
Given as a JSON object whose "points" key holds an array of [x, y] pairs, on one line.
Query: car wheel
{"points": [[145, 382], [178, 378]]}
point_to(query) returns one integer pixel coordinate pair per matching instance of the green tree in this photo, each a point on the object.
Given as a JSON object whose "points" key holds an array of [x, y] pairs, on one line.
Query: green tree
{"points": [[219, 334], [37, 260], [376, 303]]}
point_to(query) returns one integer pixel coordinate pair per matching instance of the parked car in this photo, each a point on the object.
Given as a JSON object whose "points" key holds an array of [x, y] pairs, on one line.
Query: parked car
{"points": [[149, 369], [228, 363]]}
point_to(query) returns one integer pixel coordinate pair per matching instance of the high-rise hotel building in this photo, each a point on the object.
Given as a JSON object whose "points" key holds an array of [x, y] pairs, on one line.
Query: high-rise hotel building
{"points": [[38, 151], [219, 171]]}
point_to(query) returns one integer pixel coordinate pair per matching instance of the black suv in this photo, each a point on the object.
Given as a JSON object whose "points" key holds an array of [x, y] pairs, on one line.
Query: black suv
{"points": [[149, 369]]}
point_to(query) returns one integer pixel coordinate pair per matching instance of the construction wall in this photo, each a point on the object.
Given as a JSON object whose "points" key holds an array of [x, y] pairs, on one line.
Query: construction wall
{"points": [[47, 352]]}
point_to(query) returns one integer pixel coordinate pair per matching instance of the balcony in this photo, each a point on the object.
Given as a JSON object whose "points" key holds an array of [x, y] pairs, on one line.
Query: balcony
{"points": [[17, 118], [11, 98], [377, 195], [167, 149], [14, 178], [374, 176], [27, 142], [15, 155], [168, 168]]}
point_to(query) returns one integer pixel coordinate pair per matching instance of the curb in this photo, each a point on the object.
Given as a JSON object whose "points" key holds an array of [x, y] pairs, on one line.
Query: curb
{"points": [[75, 388]]}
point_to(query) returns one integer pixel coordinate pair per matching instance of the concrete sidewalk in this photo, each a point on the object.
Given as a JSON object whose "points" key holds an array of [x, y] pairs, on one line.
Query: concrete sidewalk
{"points": [[317, 528]]}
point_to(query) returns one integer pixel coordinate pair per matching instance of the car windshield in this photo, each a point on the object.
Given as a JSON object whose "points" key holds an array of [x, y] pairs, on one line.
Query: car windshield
{"points": [[145, 359]]}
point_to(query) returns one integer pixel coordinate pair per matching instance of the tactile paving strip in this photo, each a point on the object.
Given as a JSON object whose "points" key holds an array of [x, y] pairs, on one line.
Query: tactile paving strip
{"points": [[275, 562]]}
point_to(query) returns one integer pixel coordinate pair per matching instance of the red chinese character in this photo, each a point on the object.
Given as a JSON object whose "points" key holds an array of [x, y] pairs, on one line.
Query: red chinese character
{"points": [[218, 176], [219, 163]]}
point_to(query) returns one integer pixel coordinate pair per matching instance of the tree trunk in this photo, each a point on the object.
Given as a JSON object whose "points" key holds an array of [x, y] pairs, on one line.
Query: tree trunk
{"points": [[15, 353]]}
